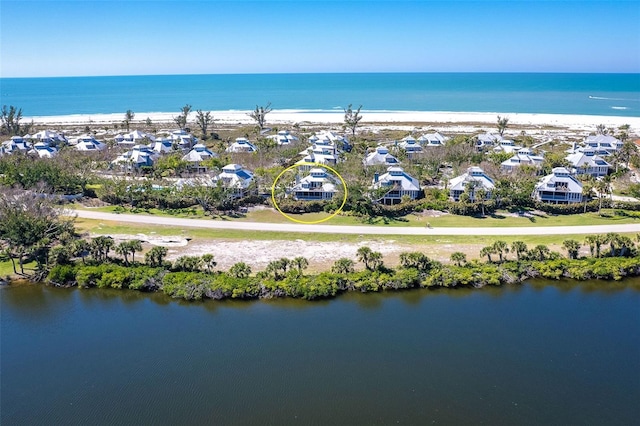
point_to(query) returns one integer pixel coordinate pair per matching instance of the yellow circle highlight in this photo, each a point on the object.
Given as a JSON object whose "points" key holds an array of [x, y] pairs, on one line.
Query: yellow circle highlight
{"points": [[295, 166]]}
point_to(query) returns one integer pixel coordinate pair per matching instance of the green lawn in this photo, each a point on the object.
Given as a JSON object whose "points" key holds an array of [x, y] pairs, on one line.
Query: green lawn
{"points": [[110, 228], [499, 219]]}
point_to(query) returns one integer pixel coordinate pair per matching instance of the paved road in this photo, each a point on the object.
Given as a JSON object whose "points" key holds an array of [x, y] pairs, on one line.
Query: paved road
{"points": [[360, 230]]}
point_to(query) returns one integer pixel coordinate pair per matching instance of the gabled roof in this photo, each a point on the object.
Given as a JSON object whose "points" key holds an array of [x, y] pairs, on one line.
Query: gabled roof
{"points": [[397, 176], [473, 174]]}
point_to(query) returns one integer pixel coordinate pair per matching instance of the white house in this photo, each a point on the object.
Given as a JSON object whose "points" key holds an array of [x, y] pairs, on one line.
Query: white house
{"points": [[133, 138], [283, 137], [15, 144], [474, 179], [88, 143], [162, 145], [380, 156], [183, 139], [506, 145], [603, 144], [524, 156], [235, 178], [487, 140], [323, 137], [49, 137], [559, 187], [323, 151], [398, 184], [317, 185], [410, 146], [432, 139], [241, 145], [139, 156], [197, 155], [43, 150], [584, 161]]}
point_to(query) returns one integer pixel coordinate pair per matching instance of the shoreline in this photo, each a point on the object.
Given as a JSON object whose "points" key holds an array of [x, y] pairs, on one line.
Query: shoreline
{"points": [[290, 116]]}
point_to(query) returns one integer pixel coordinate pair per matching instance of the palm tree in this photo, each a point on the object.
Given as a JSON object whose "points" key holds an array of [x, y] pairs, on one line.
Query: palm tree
{"points": [[123, 250], [240, 270], [209, 261], [480, 195], [572, 247], [518, 247], [134, 246], [459, 258], [155, 256], [300, 263], [500, 247], [487, 251], [343, 266], [540, 252], [372, 259]]}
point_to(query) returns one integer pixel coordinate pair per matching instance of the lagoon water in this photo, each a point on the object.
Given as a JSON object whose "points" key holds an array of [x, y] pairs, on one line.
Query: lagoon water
{"points": [[531, 354], [583, 94]]}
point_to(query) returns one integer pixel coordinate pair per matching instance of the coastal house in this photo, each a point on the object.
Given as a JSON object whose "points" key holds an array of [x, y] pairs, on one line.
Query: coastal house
{"points": [[469, 182], [136, 137], [584, 161], [16, 144], [182, 139], [560, 187], [241, 145], [603, 145], [317, 185], [43, 150], [49, 137], [139, 156], [410, 145], [432, 139], [88, 143], [524, 156], [507, 146], [323, 151], [235, 178], [283, 137], [487, 140], [162, 145], [397, 184], [380, 156], [341, 143], [197, 155]]}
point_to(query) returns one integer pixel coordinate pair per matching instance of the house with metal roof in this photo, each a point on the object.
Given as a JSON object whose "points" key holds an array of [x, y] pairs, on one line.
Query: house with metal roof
{"points": [[469, 182], [380, 157], [241, 145], [43, 150], [139, 156], [317, 185], [235, 178], [283, 137], [16, 144], [603, 145], [398, 184], [560, 187], [524, 156], [410, 145], [584, 161], [432, 139], [197, 155]]}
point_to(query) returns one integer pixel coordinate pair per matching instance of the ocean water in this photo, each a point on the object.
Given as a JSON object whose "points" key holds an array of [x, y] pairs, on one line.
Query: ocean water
{"points": [[588, 94]]}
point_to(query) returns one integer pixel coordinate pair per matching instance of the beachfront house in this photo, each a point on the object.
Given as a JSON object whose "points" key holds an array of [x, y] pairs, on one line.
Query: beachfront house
{"points": [[317, 185], [487, 140], [197, 156], [603, 145], [49, 137], [43, 150], [506, 145], [560, 187], [88, 143], [524, 156], [395, 184], [16, 144], [380, 157], [470, 182], [283, 137], [241, 145], [432, 140], [410, 145], [584, 161], [235, 178], [139, 156]]}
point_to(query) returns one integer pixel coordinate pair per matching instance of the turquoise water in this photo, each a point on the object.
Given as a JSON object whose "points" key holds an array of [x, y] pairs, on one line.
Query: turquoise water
{"points": [[591, 94], [535, 354]]}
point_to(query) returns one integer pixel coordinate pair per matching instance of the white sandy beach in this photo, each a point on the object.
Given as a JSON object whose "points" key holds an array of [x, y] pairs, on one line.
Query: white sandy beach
{"points": [[447, 119]]}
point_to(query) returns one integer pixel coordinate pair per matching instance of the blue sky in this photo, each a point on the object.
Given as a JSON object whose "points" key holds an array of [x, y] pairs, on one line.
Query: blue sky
{"points": [[75, 38]]}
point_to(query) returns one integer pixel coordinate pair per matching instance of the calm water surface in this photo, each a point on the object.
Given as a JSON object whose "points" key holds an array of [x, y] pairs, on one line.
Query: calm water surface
{"points": [[533, 354]]}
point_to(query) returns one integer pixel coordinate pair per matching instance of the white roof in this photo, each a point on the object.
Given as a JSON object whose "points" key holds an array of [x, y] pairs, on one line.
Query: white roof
{"points": [[380, 156], [397, 176], [473, 174], [559, 175]]}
